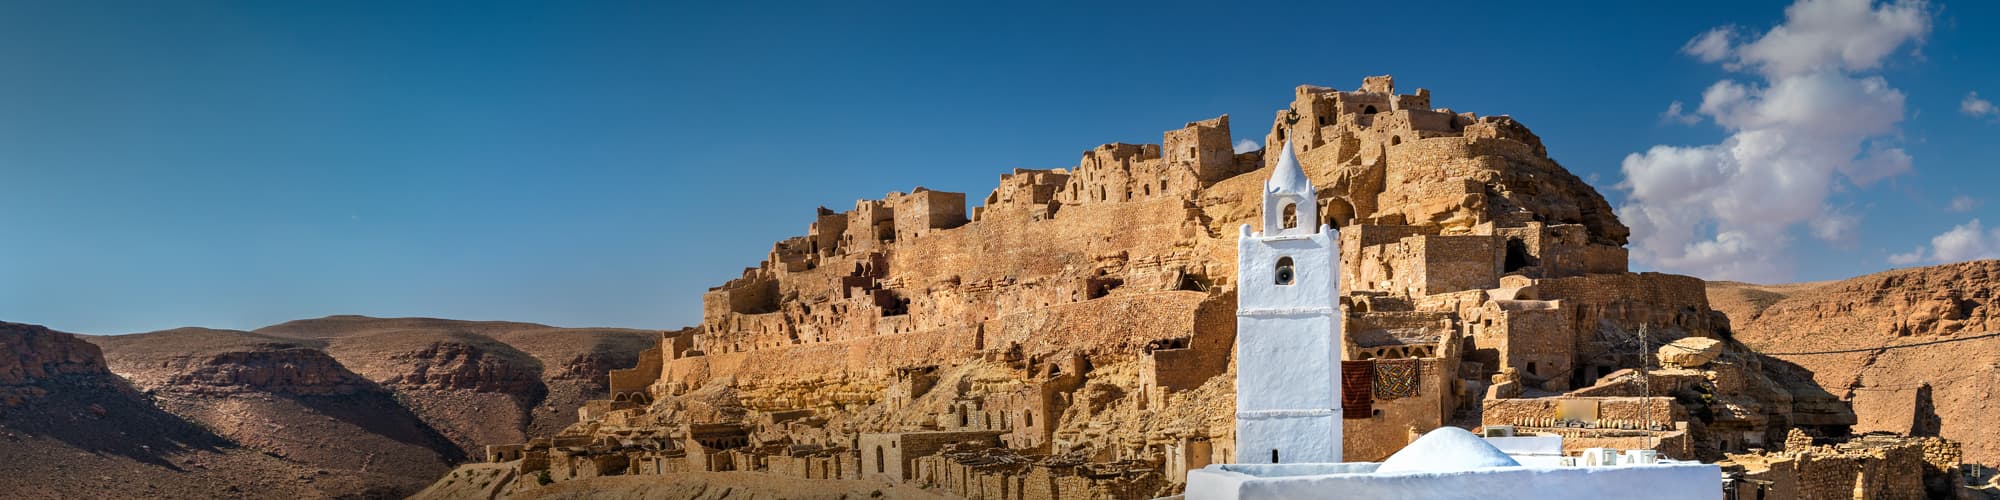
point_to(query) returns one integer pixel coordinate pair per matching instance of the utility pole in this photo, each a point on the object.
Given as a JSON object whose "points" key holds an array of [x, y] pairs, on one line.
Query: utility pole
{"points": [[1646, 386]]}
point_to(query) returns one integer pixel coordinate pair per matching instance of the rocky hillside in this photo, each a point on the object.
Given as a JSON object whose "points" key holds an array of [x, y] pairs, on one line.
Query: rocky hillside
{"points": [[337, 406], [479, 382], [1839, 329], [69, 428]]}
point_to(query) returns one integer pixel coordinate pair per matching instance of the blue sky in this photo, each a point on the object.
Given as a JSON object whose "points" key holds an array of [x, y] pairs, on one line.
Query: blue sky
{"points": [[238, 164]]}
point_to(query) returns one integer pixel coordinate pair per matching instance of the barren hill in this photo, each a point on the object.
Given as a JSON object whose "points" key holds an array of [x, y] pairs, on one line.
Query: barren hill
{"points": [[69, 428], [479, 382], [372, 406], [1945, 388]]}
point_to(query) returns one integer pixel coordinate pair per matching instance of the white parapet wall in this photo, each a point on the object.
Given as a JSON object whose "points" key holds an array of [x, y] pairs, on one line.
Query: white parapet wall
{"points": [[1358, 481]]}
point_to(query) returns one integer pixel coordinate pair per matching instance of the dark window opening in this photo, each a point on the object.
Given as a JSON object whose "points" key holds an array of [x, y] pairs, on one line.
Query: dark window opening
{"points": [[1532, 370], [1369, 110], [1517, 255], [1192, 283], [1274, 455], [1100, 287], [1291, 212], [1284, 274], [1395, 140], [880, 467]]}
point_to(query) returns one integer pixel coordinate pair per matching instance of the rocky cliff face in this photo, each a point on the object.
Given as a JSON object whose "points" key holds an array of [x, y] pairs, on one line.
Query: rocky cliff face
{"points": [[31, 354], [283, 370], [462, 366], [1943, 389]]}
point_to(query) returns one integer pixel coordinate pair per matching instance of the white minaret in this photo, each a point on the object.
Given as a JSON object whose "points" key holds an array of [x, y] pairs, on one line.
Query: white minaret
{"points": [[1288, 328]]}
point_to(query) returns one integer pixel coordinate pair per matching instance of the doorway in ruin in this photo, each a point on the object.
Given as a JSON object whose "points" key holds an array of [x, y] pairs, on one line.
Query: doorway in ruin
{"points": [[1517, 255], [1338, 212]]}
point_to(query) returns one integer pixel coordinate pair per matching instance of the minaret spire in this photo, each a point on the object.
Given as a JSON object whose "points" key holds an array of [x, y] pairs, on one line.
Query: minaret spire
{"points": [[1289, 176], [1291, 205]]}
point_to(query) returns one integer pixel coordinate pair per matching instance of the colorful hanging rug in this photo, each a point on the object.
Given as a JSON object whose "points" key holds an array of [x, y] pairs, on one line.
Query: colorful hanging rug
{"points": [[1396, 378], [1357, 393]]}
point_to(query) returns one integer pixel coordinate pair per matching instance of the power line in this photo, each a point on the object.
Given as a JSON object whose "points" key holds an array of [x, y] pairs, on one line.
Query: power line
{"points": [[1884, 348]]}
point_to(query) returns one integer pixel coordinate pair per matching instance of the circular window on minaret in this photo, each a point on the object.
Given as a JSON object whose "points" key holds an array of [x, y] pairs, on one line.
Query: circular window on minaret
{"points": [[1284, 271]]}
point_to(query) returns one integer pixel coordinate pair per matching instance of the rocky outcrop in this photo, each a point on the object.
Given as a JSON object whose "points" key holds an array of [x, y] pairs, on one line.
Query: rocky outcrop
{"points": [[1691, 352], [273, 368], [463, 366], [31, 354]]}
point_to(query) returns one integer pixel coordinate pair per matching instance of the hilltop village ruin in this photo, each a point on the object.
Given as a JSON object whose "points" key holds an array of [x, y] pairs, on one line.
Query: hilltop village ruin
{"points": [[1071, 336]]}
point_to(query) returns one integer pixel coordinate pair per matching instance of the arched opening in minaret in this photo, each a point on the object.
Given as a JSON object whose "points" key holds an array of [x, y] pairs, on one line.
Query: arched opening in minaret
{"points": [[1284, 274], [1291, 212]]}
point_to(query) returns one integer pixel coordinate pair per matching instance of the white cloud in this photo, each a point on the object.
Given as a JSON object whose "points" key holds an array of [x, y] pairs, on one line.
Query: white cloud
{"points": [[1904, 259], [1976, 107], [1963, 203], [1712, 46], [1835, 227], [1246, 145], [1674, 114], [1968, 241], [1836, 35], [1805, 126]]}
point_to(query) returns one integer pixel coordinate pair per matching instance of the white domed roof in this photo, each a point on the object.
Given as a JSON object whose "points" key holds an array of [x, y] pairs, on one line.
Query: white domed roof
{"points": [[1447, 449]]}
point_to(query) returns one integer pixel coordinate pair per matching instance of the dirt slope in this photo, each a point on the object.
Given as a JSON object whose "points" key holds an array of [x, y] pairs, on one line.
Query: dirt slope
{"points": [[1940, 389]]}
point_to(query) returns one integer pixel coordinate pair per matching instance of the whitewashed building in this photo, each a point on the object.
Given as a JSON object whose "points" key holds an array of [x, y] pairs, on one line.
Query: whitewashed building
{"points": [[1288, 328]]}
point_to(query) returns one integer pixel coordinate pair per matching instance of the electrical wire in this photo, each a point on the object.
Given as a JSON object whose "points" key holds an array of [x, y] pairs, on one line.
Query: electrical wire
{"points": [[1883, 348]]}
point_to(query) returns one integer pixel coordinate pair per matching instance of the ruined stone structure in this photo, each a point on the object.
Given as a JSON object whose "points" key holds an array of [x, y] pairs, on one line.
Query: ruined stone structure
{"points": [[1872, 466], [1079, 325]]}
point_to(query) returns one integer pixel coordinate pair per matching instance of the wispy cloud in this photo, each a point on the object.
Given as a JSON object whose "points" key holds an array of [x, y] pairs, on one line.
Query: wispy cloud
{"points": [[1963, 203], [1674, 114], [1246, 145], [1810, 119], [1976, 107]]}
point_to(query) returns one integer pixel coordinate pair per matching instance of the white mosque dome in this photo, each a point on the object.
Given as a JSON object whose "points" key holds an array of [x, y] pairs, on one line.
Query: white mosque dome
{"points": [[1447, 449]]}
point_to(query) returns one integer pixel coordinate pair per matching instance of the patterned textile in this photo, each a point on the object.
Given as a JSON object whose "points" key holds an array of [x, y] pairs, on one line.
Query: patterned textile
{"points": [[1357, 395], [1396, 378]]}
